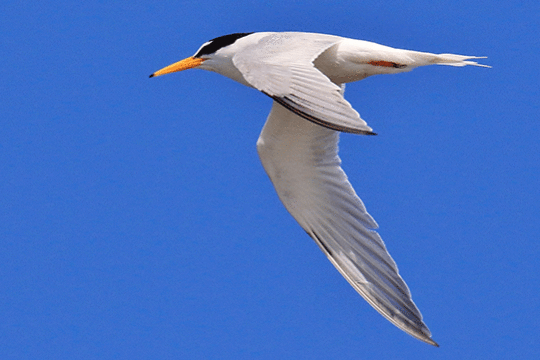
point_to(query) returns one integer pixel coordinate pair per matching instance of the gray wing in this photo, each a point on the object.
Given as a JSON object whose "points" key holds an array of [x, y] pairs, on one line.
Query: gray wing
{"points": [[302, 162], [281, 66]]}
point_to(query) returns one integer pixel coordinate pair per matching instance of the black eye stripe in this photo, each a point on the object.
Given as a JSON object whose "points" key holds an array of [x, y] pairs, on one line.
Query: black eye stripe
{"points": [[218, 43]]}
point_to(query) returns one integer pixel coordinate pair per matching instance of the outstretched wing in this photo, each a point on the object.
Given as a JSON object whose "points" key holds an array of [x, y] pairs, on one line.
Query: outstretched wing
{"points": [[302, 161], [281, 66]]}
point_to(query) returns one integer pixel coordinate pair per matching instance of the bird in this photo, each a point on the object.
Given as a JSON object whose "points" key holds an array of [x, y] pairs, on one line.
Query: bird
{"points": [[305, 75]]}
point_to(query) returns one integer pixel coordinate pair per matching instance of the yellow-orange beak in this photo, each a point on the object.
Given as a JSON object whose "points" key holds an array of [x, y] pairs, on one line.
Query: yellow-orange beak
{"points": [[185, 64]]}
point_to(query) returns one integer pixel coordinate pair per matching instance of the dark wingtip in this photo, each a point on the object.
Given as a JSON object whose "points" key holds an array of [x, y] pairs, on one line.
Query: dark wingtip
{"points": [[431, 342], [295, 108], [151, 76]]}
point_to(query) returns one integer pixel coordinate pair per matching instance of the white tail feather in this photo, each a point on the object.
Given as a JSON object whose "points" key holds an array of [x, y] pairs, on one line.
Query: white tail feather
{"points": [[458, 60]]}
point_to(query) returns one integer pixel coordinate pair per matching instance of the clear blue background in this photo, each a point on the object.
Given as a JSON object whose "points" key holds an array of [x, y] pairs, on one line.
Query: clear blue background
{"points": [[136, 221]]}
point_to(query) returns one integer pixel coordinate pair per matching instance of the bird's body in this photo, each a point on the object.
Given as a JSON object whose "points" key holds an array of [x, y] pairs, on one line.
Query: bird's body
{"points": [[304, 73]]}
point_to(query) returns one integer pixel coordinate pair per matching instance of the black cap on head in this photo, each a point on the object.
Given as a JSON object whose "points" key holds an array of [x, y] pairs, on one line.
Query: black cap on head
{"points": [[215, 44]]}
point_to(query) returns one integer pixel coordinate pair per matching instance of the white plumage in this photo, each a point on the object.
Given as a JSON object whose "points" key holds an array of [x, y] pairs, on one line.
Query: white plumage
{"points": [[304, 73]]}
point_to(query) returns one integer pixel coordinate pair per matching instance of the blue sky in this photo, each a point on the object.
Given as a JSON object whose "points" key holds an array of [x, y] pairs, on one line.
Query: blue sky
{"points": [[136, 221]]}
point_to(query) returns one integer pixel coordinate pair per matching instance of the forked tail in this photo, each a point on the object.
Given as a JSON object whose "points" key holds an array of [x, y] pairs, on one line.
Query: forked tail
{"points": [[457, 60]]}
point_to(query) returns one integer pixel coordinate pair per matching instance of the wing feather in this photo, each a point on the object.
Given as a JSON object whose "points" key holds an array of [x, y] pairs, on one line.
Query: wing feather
{"points": [[302, 161], [281, 66]]}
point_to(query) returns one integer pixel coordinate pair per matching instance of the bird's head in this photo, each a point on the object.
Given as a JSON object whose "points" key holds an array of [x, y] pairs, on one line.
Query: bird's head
{"points": [[206, 52]]}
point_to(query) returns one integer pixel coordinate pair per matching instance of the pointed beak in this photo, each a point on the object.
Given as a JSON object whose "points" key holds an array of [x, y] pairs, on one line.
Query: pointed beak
{"points": [[185, 64]]}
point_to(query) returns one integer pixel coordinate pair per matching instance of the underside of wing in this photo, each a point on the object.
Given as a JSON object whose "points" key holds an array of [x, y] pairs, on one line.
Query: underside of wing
{"points": [[281, 66], [302, 162]]}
